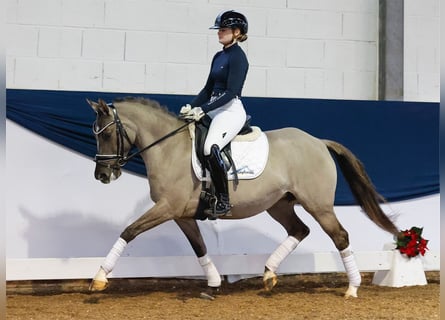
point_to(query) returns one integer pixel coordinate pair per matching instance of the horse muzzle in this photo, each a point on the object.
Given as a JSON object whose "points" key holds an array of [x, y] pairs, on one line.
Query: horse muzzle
{"points": [[107, 173]]}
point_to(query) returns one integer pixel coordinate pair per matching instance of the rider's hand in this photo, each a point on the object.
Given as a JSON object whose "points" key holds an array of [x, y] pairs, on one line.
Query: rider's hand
{"points": [[184, 110], [193, 114]]}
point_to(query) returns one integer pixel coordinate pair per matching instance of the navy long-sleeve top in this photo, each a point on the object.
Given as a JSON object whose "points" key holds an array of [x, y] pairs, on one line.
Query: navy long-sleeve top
{"points": [[228, 72]]}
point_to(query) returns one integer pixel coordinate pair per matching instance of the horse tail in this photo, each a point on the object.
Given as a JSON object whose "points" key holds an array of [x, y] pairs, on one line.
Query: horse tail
{"points": [[361, 186]]}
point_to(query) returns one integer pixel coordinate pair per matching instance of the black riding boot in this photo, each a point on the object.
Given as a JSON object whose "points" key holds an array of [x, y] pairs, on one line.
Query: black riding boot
{"points": [[218, 173]]}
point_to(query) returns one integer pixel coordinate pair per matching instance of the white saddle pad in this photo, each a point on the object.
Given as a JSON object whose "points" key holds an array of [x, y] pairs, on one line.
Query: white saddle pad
{"points": [[249, 152]]}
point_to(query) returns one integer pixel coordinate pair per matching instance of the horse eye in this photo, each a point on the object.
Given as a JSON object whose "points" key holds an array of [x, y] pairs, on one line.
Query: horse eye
{"points": [[106, 134]]}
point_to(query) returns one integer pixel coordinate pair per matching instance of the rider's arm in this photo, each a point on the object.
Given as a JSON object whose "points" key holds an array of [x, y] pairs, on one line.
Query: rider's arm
{"points": [[238, 66]]}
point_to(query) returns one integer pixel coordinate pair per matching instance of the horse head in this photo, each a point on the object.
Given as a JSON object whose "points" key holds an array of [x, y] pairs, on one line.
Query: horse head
{"points": [[112, 141]]}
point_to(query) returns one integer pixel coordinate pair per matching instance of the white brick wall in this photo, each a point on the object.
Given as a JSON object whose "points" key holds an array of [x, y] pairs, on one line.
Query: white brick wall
{"points": [[296, 48], [422, 50], [81, 75], [104, 45], [59, 43], [22, 41]]}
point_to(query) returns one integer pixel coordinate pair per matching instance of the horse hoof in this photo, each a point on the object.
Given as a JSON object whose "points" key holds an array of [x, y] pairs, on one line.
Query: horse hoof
{"points": [[206, 296], [270, 280], [210, 293], [351, 292], [98, 285]]}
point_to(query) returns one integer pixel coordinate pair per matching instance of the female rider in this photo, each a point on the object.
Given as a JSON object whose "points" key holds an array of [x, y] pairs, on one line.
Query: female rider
{"points": [[220, 100]]}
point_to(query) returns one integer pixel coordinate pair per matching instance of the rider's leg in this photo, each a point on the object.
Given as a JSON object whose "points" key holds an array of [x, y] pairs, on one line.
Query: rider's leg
{"points": [[218, 174], [226, 122]]}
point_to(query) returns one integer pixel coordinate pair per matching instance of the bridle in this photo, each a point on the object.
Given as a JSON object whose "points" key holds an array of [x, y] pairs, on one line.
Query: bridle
{"points": [[115, 161], [112, 161]]}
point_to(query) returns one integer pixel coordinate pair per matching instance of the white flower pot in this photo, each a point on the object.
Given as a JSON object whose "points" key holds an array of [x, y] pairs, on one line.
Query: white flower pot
{"points": [[404, 271]]}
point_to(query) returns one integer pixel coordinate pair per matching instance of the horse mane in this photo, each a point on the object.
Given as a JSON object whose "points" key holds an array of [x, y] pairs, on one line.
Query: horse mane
{"points": [[146, 102]]}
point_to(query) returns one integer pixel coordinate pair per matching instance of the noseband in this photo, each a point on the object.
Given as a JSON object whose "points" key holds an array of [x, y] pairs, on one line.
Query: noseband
{"points": [[120, 159]]}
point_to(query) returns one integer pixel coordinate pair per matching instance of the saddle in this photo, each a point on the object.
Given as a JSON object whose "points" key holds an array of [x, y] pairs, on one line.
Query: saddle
{"points": [[201, 131], [208, 191]]}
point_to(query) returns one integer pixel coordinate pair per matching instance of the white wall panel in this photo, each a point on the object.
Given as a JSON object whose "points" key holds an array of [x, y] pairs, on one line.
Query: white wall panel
{"points": [[147, 15], [155, 77], [305, 53], [338, 5], [60, 43], [143, 46], [360, 26], [258, 21], [350, 55], [179, 73], [422, 50], [284, 82], [103, 44], [322, 25], [10, 71], [429, 84], [337, 36], [256, 82], [285, 24], [428, 59], [81, 75], [83, 13], [251, 3], [314, 81], [124, 76], [269, 54], [423, 8], [22, 41], [41, 12], [185, 48], [11, 10], [36, 73], [196, 77], [333, 84], [361, 86]]}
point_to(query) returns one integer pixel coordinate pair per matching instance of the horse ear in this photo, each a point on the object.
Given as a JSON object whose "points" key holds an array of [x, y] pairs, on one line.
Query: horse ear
{"points": [[99, 107], [103, 107], [92, 104]]}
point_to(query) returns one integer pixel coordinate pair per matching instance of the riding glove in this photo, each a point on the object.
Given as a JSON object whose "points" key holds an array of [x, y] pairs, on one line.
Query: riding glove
{"points": [[184, 110], [189, 113]]}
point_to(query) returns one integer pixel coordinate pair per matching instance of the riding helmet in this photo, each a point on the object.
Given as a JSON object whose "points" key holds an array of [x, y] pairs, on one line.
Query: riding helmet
{"points": [[231, 19]]}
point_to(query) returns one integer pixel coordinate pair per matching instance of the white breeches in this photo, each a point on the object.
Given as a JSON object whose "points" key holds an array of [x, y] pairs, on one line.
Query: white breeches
{"points": [[227, 122]]}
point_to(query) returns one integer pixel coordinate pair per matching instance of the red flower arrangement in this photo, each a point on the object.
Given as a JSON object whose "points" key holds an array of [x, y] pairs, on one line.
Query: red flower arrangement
{"points": [[411, 243]]}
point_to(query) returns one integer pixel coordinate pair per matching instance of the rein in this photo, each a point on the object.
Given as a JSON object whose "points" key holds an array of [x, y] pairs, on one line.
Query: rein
{"points": [[121, 134], [168, 135]]}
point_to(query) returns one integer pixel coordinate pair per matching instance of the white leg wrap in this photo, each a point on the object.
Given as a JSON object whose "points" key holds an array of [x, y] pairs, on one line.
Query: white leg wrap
{"points": [[113, 255], [351, 267], [283, 250], [212, 274]]}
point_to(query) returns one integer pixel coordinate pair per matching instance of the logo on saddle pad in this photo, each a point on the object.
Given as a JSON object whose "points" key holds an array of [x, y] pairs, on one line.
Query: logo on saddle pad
{"points": [[249, 153]]}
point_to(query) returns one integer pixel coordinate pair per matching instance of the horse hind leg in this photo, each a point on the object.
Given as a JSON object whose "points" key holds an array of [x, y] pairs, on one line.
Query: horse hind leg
{"points": [[330, 224], [283, 212]]}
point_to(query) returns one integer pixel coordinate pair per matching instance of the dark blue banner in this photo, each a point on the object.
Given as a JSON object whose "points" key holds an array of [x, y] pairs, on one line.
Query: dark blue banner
{"points": [[398, 142]]}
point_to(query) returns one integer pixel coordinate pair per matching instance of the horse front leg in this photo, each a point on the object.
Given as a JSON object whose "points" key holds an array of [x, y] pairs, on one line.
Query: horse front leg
{"points": [[191, 230], [153, 217]]}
